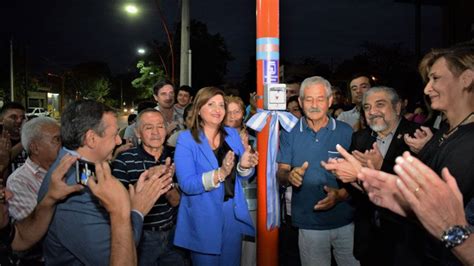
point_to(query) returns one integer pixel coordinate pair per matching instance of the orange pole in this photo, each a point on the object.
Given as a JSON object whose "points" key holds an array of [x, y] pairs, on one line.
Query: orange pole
{"points": [[267, 72]]}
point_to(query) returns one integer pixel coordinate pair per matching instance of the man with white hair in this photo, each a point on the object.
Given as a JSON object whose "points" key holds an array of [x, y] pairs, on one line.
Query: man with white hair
{"points": [[41, 139], [318, 205]]}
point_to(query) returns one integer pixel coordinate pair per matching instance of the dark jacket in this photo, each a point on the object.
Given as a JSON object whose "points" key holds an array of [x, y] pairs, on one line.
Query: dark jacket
{"points": [[382, 237]]}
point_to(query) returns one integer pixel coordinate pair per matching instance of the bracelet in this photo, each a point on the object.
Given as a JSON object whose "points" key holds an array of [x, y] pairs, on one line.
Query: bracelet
{"points": [[240, 169], [219, 175], [7, 234]]}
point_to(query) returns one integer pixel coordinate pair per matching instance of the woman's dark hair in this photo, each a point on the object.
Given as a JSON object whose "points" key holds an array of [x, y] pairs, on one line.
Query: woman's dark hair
{"points": [[202, 97]]}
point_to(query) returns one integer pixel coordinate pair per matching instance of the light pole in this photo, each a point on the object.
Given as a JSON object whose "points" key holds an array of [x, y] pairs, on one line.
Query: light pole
{"points": [[184, 68], [12, 93]]}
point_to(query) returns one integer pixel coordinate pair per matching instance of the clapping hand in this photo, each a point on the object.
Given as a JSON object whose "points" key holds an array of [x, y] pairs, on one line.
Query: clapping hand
{"points": [[373, 155], [249, 159], [382, 190], [331, 199], [436, 201], [150, 186], [227, 164], [111, 193], [345, 168], [419, 139]]}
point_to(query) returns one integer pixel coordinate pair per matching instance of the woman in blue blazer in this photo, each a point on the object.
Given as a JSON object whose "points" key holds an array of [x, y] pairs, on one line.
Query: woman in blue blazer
{"points": [[210, 163]]}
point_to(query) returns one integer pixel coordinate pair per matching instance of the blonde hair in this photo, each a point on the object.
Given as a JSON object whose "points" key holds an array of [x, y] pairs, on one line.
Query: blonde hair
{"points": [[235, 99], [458, 60]]}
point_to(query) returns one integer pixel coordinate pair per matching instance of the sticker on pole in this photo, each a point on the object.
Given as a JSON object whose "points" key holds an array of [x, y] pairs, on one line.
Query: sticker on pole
{"points": [[270, 71]]}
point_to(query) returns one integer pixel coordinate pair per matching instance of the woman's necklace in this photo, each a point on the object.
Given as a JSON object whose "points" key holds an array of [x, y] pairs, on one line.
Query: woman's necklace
{"points": [[454, 129]]}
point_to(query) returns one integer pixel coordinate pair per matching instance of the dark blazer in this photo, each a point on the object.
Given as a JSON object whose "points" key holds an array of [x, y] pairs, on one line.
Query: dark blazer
{"points": [[363, 140], [380, 235]]}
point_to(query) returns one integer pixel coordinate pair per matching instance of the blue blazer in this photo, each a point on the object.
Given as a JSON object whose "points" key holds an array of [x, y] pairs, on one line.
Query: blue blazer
{"points": [[200, 215]]}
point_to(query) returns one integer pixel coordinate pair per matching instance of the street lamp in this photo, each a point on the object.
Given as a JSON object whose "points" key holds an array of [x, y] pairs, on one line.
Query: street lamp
{"points": [[141, 51], [131, 9]]}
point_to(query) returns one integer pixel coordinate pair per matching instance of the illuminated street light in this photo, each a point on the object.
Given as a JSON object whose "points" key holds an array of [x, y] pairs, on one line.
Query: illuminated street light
{"points": [[141, 51], [131, 9]]}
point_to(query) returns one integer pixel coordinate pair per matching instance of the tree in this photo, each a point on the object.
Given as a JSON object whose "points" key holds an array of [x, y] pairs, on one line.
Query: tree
{"points": [[96, 89], [150, 74], [209, 55], [392, 66], [90, 80]]}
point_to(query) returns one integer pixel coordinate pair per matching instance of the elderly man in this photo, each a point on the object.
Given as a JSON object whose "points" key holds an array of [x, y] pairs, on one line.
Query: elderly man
{"points": [[80, 231], [358, 85], [41, 139], [318, 205], [156, 246], [379, 234]]}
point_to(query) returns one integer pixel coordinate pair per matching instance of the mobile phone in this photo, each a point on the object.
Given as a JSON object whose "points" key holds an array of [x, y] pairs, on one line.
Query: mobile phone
{"points": [[84, 171]]}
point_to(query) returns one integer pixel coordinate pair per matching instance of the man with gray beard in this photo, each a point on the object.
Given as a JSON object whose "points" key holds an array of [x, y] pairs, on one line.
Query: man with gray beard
{"points": [[381, 237]]}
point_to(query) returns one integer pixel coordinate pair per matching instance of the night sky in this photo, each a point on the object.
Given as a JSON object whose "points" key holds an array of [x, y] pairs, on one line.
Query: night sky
{"points": [[60, 34]]}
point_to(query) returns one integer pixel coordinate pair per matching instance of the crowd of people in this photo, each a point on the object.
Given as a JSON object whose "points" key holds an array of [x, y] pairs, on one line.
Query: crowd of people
{"points": [[363, 182]]}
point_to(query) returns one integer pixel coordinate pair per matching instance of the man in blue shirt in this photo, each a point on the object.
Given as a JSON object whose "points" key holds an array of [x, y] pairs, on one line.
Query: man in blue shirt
{"points": [[80, 231], [318, 204]]}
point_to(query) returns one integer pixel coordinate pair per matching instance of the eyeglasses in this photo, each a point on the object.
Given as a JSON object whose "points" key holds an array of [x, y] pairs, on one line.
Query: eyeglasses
{"points": [[236, 112]]}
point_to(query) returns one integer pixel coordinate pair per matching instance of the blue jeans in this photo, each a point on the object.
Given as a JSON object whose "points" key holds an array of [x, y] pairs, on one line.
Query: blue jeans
{"points": [[156, 248], [315, 246]]}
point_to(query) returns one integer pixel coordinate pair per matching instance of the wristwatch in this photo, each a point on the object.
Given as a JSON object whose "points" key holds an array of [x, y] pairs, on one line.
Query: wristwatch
{"points": [[456, 235]]}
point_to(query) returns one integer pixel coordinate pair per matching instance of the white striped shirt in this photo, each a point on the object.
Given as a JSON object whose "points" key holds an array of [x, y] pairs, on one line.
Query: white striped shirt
{"points": [[24, 183]]}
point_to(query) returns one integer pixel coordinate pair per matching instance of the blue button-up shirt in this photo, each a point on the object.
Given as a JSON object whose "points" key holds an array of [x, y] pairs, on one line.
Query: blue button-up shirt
{"points": [[79, 233]]}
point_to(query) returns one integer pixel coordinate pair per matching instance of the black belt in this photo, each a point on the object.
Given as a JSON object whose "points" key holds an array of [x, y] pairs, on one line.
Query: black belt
{"points": [[162, 228]]}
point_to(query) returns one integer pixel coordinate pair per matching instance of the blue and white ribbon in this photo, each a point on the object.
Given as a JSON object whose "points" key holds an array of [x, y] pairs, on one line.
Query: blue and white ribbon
{"points": [[257, 122]]}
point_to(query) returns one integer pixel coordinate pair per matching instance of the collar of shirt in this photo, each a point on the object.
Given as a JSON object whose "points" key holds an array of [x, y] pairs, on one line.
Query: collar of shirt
{"points": [[37, 170], [354, 110], [164, 154], [75, 153], [331, 125]]}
